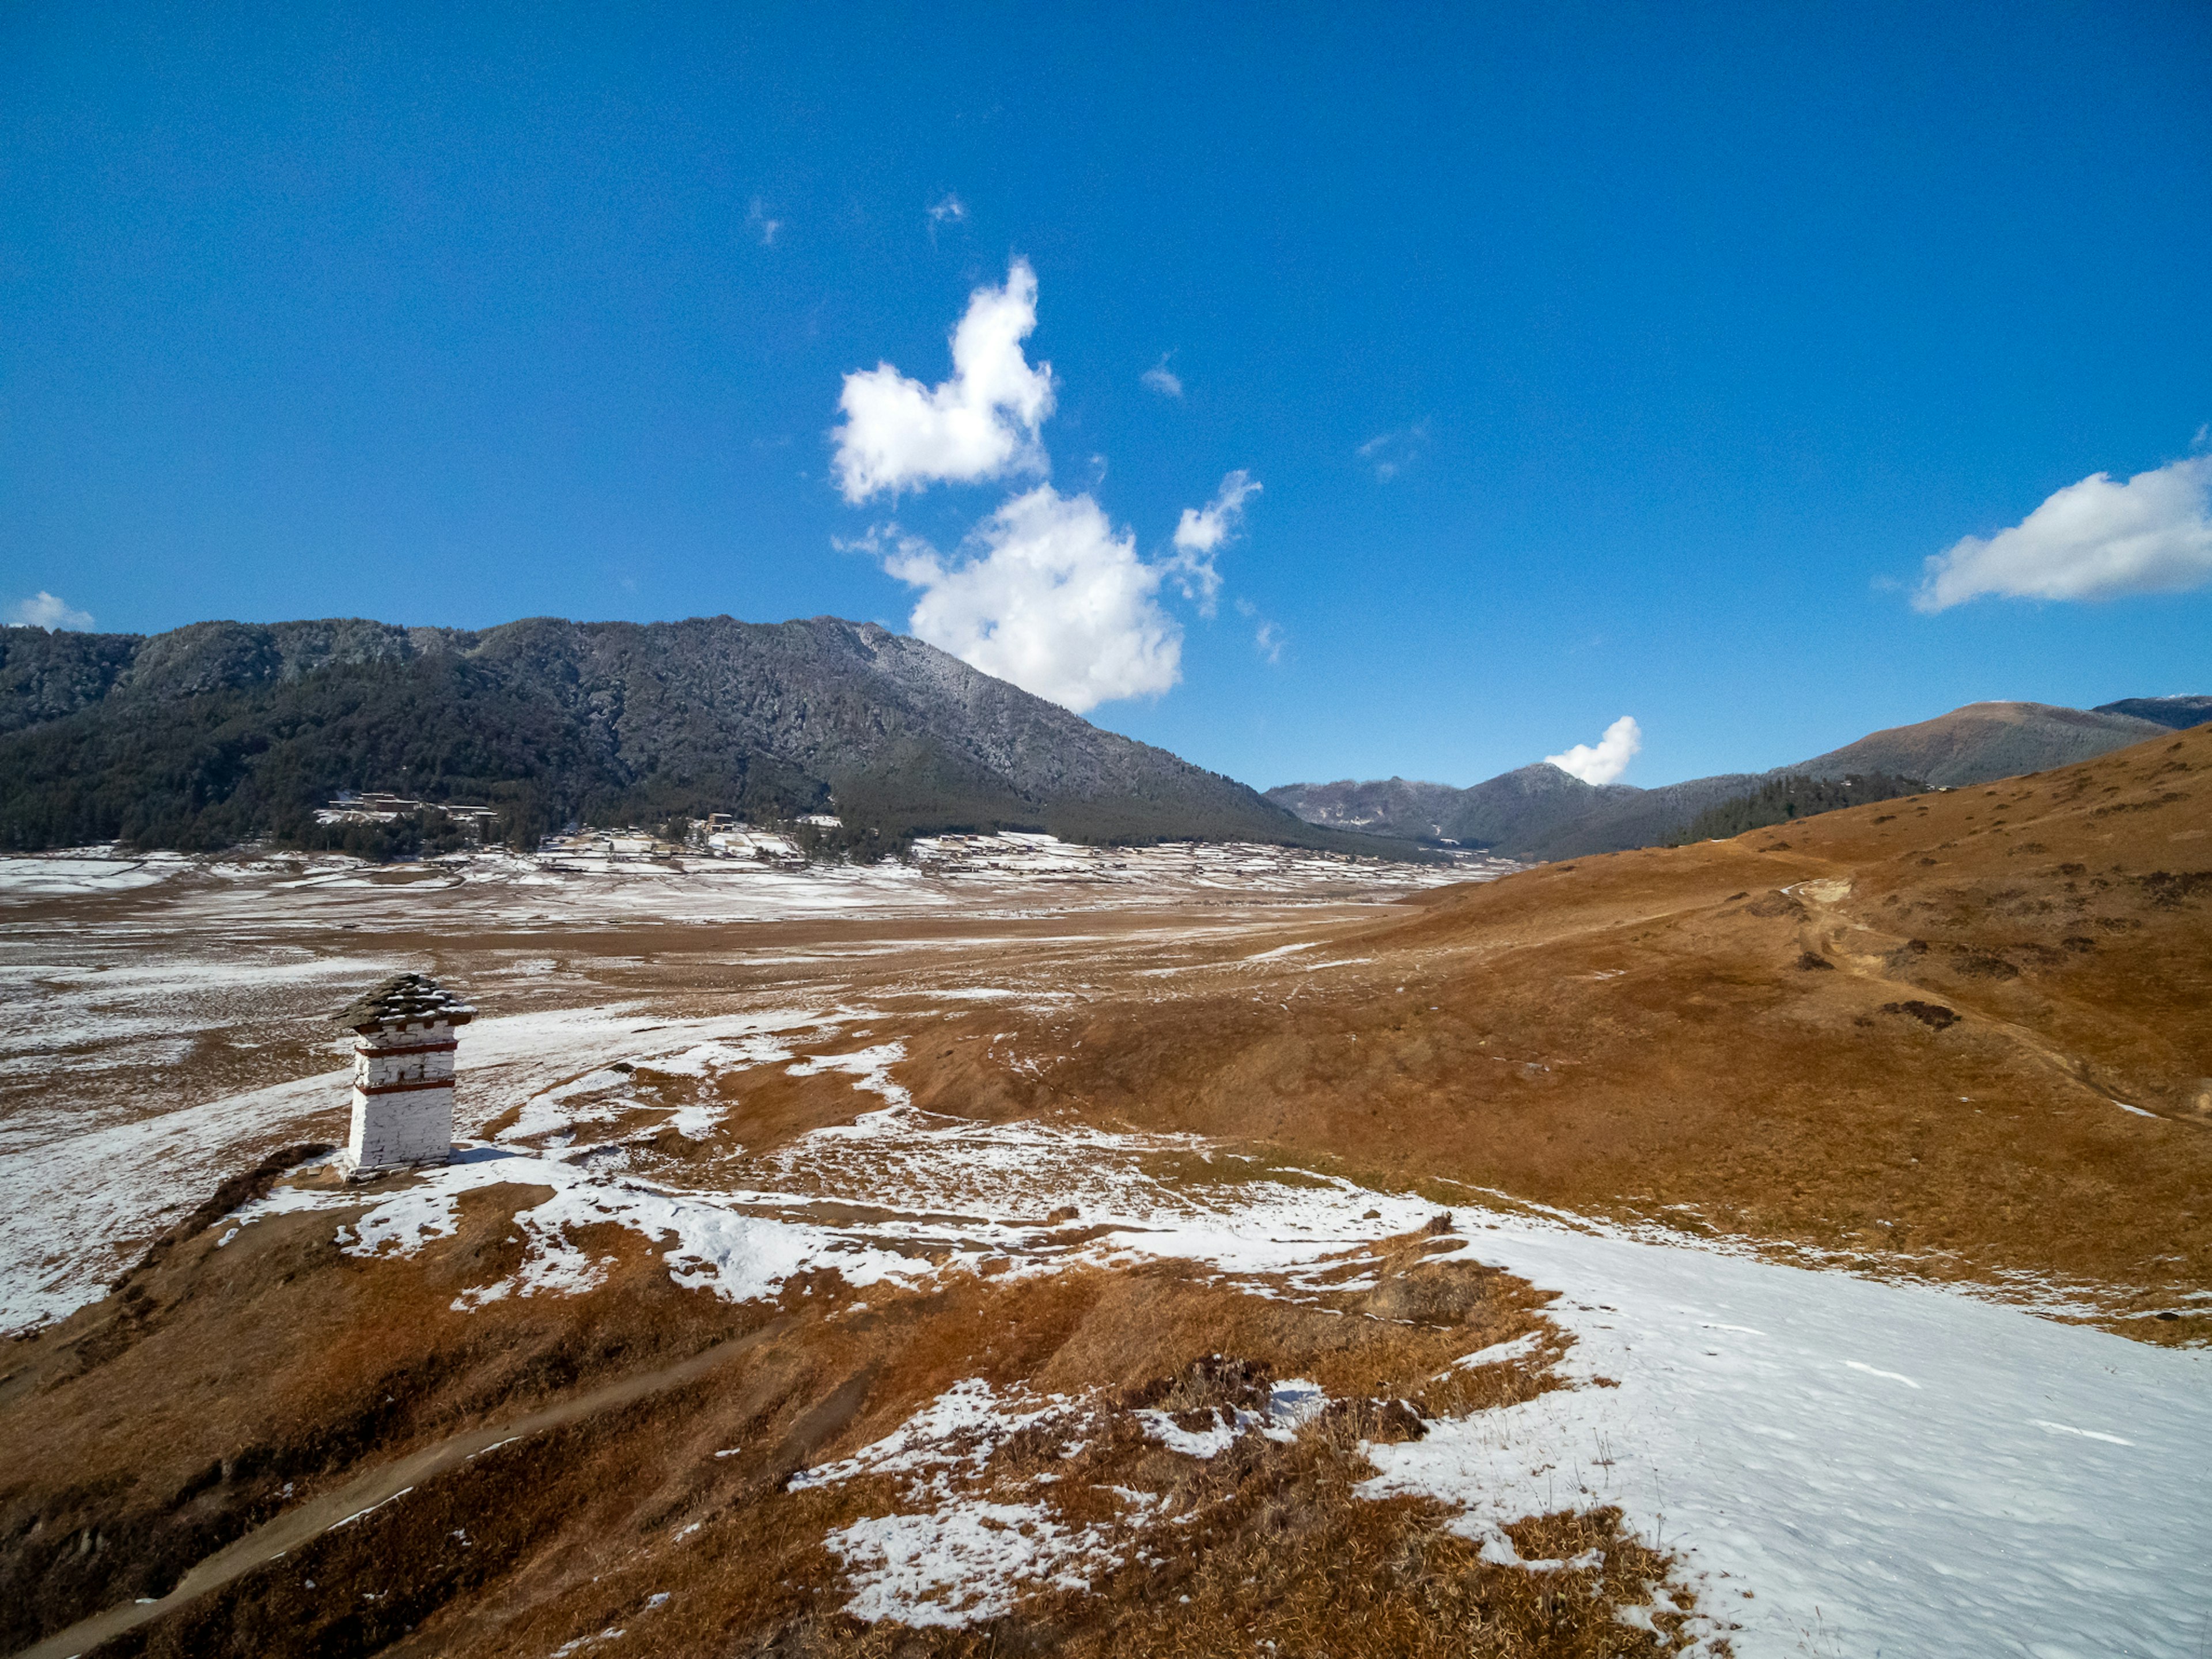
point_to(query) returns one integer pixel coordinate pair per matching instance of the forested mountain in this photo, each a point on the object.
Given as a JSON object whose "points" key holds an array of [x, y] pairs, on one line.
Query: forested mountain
{"points": [[221, 730], [2175, 714]]}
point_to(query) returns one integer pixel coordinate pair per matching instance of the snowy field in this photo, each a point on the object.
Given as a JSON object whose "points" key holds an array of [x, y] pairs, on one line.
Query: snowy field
{"points": [[985, 875]]}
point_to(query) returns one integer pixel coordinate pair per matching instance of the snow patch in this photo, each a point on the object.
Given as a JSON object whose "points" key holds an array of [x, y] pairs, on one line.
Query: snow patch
{"points": [[1884, 1511], [957, 1431], [963, 1564]]}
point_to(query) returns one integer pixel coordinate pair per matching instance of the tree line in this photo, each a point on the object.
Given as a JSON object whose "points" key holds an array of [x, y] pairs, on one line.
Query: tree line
{"points": [[1784, 799]]}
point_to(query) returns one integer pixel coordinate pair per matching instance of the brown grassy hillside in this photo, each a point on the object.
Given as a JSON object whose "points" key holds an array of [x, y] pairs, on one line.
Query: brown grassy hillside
{"points": [[1896, 1031]]}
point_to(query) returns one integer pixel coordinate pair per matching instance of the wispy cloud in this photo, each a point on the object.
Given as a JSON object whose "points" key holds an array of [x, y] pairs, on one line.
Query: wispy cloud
{"points": [[1391, 452], [1201, 533], [1608, 759], [49, 611], [760, 224], [982, 423], [2096, 539], [1161, 379], [951, 210], [1268, 638], [1049, 595]]}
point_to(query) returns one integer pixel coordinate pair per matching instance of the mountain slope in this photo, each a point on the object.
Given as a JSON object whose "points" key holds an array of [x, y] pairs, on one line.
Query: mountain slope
{"points": [[1984, 742], [1904, 1031], [1533, 812], [211, 733], [2176, 714], [1541, 812]]}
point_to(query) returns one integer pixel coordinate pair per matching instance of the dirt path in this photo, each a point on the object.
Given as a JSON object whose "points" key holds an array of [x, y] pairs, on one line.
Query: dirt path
{"points": [[1823, 934], [379, 1486]]}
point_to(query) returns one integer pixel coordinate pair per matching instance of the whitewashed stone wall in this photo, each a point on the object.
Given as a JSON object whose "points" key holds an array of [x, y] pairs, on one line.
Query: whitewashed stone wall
{"points": [[402, 1096]]}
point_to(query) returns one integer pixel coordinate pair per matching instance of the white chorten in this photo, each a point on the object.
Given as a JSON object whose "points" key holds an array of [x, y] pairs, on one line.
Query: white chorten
{"points": [[405, 1034]]}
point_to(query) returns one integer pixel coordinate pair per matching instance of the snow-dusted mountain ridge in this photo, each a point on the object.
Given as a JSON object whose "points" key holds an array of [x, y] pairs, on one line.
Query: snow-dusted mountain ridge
{"points": [[214, 731]]}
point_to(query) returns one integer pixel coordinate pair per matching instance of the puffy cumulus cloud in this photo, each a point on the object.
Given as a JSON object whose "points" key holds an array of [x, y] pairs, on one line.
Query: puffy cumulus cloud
{"points": [[1608, 759], [1161, 379], [1049, 595], [45, 609], [1199, 534], [2093, 540], [1045, 593], [982, 423]]}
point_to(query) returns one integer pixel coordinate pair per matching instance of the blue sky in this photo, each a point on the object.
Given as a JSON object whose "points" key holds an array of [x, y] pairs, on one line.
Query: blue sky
{"points": [[1590, 362]]}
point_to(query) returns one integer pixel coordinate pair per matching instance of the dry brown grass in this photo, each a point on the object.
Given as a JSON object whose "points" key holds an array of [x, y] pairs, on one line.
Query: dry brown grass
{"points": [[1633, 1035], [159, 1448], [1264, 1543]]}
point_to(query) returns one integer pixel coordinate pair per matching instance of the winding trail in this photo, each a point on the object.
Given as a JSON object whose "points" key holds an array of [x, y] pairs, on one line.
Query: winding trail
{"points": [[1823, 934], [344, 1504]]}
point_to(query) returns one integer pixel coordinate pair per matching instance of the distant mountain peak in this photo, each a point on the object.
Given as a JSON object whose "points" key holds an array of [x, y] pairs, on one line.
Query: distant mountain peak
{"points": [[1541, 811], [2175, 714]]}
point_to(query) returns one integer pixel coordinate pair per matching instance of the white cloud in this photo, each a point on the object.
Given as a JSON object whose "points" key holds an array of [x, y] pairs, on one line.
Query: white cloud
{"points": [[43, 610], [1621, 744], [982, 423], [1050, 597], [951, 210], [1199, 534], [1161, 379], [761, 225], [2091, 540], [1045, 593], [1203, 529]]}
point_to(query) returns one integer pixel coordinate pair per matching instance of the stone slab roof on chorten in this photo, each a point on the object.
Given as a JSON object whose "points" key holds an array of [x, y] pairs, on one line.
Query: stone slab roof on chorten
{"points": [[402, 998]]}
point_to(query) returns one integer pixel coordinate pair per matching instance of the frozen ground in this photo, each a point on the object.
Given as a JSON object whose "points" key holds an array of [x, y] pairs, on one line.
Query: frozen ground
{"points": [[1854, 1467]]}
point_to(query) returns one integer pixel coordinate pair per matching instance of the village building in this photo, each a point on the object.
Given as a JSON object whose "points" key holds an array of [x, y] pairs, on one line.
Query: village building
{"points": [[348, 807], [406, 1033]]}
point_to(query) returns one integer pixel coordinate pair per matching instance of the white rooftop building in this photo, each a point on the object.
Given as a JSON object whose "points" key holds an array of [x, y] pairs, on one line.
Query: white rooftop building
{"points": [[406, 1032]]}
